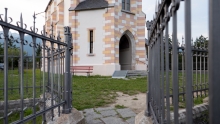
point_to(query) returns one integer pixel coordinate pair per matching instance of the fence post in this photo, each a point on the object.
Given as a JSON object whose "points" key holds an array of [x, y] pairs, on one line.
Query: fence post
{"points": [[6, 39], [67, 81], [147, 112], [188, 63], [214, 60]]}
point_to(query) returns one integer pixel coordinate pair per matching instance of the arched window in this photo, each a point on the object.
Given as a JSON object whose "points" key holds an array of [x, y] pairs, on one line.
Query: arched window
{"points": [[126, 5]]}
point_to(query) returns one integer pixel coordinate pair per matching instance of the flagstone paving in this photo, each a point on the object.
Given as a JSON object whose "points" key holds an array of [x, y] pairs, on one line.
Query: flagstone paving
{"points": [[109, 115]]}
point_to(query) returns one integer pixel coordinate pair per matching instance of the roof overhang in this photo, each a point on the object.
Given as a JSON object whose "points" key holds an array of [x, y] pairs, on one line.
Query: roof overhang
{"points": [[48, 5]]}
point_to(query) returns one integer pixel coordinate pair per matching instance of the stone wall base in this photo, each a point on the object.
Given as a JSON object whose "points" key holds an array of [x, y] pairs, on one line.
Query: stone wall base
{"points": [[75, 117], [197, 112]]}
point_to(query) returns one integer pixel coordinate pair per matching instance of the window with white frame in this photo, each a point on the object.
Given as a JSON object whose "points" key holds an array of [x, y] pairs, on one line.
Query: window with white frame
{"points": [[126, 5]]}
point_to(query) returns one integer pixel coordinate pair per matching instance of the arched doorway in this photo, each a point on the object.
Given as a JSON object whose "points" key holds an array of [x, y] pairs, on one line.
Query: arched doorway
{"points": [[125, 53]]}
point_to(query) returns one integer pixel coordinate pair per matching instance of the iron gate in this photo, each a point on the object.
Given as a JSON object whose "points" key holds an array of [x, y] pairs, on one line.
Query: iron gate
{"points": [[199, 64], [54, 70]]}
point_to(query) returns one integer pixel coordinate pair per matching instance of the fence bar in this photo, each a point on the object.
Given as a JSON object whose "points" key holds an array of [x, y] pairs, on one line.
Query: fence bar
{"points": [[153, 75], [27, 59], [204, 83], [175, 65], [167, 65], [200, 69], [12, 74], [157, 98], [52, 80], [59, 92], [147, 113], [34, 77], [162, 72], [197, 85], [21, 69], [214, 60], [6, 30], [48, 70], [204, 71], [44, 69], [158, 87], [188, 63], [183, 71]]}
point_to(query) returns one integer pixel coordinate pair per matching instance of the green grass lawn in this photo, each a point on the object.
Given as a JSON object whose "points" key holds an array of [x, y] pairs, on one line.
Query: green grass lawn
{"points": [[88, 92], [95, 91], [14, 82]]}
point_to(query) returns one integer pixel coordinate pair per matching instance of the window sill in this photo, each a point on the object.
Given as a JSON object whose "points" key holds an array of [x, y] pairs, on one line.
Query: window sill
{"points": [[129, 12], [91, 54]]}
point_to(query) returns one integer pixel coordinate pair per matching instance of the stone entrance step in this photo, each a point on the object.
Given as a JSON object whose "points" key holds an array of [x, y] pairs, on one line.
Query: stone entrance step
{"points": [[129, 73], [109, 115], [134, 73], [120, 74]]}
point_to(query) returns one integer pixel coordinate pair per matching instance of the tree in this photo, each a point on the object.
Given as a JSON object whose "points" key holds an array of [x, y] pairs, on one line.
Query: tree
{"points": [[201, 42], [1, 52]]}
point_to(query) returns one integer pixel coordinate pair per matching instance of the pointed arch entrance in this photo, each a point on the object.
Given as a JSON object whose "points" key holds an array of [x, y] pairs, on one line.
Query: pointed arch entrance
{"points": [[126, 51]]}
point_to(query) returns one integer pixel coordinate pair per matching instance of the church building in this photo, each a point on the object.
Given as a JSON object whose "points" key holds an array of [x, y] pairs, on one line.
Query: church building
{"points": [[107, 34]]}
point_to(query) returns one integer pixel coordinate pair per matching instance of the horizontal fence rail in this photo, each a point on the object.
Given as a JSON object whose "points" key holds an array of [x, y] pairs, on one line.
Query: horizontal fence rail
{"points": [[178, 71], [37, 70]]}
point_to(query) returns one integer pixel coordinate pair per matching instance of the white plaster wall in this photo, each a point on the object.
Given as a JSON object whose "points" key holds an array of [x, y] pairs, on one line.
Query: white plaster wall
{"points": [[89, 20], [104, 70], [58, 1], [66, 12], [140, 67]]}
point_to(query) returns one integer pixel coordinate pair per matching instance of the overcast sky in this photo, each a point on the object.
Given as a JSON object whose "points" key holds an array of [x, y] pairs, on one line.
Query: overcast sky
{"points": [[28, 7]]}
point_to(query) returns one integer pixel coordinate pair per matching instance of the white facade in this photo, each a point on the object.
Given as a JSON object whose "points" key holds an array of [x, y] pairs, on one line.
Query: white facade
{"points": [[109, 24]]}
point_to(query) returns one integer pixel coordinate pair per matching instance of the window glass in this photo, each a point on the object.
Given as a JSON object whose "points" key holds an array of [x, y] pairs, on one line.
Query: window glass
{"points": [[91, 42], [128, 5], [123, 4]]}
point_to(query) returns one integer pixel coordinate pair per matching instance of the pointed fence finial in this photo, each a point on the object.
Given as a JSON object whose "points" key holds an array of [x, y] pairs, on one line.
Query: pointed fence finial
{"points": [[158, 4], [6, 15], [182, 40], [192, 41], [21, 21], [156, 7], [34, 22], [52, 30]]}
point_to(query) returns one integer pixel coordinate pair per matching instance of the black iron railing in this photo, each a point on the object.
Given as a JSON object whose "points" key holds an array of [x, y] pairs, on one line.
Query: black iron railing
{"points": [[46, 70], [182, 71]]}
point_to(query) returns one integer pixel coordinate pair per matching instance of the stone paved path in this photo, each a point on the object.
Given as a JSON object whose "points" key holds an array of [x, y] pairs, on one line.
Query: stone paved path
{"points": [[109, 115]]}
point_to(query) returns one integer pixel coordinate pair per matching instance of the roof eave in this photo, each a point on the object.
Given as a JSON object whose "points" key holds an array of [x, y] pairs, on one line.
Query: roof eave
{"points": [[48, 5], [71, 9]]}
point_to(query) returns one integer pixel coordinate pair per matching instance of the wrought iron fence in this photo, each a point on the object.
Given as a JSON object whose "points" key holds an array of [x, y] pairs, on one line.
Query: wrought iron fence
{"points": [[20, 75], [13, 72], [180, 71]]}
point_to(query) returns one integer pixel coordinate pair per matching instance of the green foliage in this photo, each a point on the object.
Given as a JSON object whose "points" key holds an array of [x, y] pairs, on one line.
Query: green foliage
{"points": [[13, 81], [38, 53], [201, 42], [16, 116], [199, 100], [119, 106]]}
